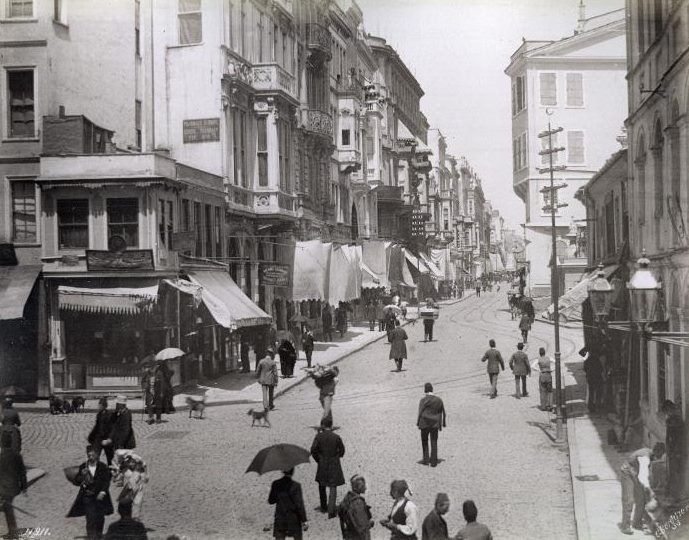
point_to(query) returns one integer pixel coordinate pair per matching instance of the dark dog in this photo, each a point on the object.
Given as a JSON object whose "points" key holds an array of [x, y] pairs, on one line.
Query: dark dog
{"points": [[259, 416], [78, 404], [58, 405], [198, 405]]}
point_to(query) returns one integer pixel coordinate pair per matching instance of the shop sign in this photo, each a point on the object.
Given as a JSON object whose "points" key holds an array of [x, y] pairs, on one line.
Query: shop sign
{"points": [[201, 130], [275, 274], [135, 259], [183, 241]]}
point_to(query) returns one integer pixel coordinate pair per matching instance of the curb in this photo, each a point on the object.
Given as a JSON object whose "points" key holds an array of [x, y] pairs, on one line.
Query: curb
{"points": [[33, 474], [578, 494]]}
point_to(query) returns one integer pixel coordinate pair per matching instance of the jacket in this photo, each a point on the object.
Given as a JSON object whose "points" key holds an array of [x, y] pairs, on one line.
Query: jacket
{"points": [[267, 372], [287, 352], [12, 473], [327, 449], [593, 369], [11, 416], [494, 359], [431, 413], [121, 431], [355, 517], [327, 319], [286, 495], [91, 486], [519, 363], [101, 430], [525, 323], [398, 349], [434, 527], [307, 341]]}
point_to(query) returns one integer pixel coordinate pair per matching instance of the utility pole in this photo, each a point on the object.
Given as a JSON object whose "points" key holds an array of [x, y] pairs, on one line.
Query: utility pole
{"points": [[552, 207]]}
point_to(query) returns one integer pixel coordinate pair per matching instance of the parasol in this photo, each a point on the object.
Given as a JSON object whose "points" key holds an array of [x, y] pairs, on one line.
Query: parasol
{"points": [[285, 334], [394, 308], [71, 474], [170, 353], [279, 457]]}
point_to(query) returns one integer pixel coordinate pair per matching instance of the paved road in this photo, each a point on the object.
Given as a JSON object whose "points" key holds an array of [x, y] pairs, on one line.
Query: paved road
{"points": [[496, 452]]}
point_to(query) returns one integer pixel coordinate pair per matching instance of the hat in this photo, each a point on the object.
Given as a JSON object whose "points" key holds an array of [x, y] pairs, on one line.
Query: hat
{"points": [[121, 400], [270, 351]]}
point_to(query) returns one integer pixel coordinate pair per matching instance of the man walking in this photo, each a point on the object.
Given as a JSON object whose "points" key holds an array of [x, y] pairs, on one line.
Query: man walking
{"points": [[121, 431], [101, 430], [430, 420], [307, 344], [636, 486], [326, 379], [594, 380], [327, 320], [12, 481], [545, 367], [434, 526], [478, 291], [267, 375], [519, 364], [495, 363], [398, 348], [327, 450], [525, 326], [355, 514], [290, 514], [473, 529]]}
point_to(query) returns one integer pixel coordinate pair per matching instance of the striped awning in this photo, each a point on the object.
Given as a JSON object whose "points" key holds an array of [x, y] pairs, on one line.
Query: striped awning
{"points": [[118, 300]]}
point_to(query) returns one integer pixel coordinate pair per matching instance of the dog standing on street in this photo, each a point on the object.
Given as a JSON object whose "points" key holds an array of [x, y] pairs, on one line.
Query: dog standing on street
{"points": [[198, 405], [259, 416]]}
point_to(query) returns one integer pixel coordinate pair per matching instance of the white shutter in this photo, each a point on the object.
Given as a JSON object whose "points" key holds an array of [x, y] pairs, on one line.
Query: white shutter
{"points": [[548, 88], [545, 160], [575, 146], [575, 90]]}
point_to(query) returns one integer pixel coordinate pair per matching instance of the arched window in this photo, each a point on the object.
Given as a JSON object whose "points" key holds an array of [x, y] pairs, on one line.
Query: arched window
{"points": [[675, 167], [640, 164], [658, 180]]}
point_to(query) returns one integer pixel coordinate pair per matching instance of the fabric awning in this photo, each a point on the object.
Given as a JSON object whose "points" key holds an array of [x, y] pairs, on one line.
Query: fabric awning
{"points": [[369, 280], [416, 262], [16, 283], [222, 296], [569, 304], [344, 276], [435, 272], [118, 300], [311, 270], [375, 257]]}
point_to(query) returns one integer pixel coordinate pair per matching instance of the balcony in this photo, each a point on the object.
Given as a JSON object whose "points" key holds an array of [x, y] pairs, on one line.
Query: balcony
{"points": [[390, 194], [238, 198], [275, 203], [318, 39], [349, 160], [317, 122], [271, 78], [374, 108]]}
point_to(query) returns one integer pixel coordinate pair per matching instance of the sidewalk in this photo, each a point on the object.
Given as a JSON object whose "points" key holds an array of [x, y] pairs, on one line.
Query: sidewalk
{"points": [[238, 388]]}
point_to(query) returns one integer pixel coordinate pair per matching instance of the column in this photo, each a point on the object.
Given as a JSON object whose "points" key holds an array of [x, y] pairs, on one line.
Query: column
{"points": [[273, 149], [57, 339]]}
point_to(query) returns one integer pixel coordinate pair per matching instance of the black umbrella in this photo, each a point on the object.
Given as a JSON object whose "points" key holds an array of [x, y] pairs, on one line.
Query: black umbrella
{"points": [[279, 457]]}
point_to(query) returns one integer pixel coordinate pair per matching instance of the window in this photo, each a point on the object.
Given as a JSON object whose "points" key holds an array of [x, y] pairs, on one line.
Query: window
{"points": [[610, 240], [239, 147], [19, 9], [217, 233], [545, 158], [641, 26], [284, 155], [345, 137], [190, 22], [161, 222], [259, 26], [548, 89], [198, 228], [137, 27], [518, 95], [186, 215], [20, 86], [657, 18], [123, 220], [24, 212], [575, 90], [523, 159], [208, 229], [546, 199], [662, 366], [137, 122], [73, 223], [575, 147], [242, 27], [262, 151], [59, 12]]}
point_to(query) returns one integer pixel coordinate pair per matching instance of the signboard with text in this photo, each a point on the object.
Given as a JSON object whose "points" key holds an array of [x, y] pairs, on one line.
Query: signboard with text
{"points": [[134, 259], [275, 274], [201, 130]]}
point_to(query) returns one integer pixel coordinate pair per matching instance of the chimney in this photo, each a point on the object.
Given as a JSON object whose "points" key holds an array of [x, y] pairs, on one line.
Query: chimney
{"points": [[61, 111], [581, 23]]}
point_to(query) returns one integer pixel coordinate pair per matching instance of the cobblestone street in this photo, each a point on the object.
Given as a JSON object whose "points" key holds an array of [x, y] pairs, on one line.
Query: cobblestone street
{"points": [[495, 451]]}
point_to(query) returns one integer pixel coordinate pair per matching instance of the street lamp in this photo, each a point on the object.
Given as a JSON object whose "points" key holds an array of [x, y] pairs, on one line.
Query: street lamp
{"points": [[600, 294], [644, 290]]}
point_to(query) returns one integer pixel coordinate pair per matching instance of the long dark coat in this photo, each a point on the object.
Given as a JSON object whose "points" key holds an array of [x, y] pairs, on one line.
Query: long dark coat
{"points": [[286, 495], [327, 449], [91, 486], [288, 356], [101, 429], [12, 474], [398, 347], [121, 431]]}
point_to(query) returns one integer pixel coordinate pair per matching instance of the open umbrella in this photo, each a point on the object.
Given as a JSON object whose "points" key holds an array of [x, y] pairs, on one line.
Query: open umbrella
{"points": [[394, 308], [298, 318], [279, 457], [13, 391], [170, 353]]}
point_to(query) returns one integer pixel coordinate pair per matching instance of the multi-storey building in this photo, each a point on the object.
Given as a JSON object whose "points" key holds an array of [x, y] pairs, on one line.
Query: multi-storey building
{"points": [[475, 232], [657, 194], [576, 83]]}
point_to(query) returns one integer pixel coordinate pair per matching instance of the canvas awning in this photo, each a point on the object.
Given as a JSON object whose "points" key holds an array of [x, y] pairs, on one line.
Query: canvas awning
{"points": [[569, 304], [311, 270], [118, 300], [344, 276], [435, 272], [369, 280], [416, 262], [375, 257], [222, 296], [16, 283]]}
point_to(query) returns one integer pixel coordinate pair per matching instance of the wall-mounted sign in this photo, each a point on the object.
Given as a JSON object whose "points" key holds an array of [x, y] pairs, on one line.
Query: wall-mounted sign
{"points": [[275, 274], [183, 241], [201, 130], [135, 259]]}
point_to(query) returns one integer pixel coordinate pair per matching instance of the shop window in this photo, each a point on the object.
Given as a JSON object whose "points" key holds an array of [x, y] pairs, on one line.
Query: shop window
{"points": [[24, 212], [19, 9], [190, 22], [20, 85], [73, 223], [123, 220]]}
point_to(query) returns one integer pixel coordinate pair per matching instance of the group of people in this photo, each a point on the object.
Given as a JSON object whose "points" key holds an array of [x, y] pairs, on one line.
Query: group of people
{"points": [[340, 318]]}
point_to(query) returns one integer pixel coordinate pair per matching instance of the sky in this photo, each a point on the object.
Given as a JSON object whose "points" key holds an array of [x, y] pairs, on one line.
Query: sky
{"points": [[458, 51]]}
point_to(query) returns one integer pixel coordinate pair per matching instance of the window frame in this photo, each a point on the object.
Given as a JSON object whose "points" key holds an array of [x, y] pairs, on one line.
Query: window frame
{"points": [[568, 105], [262, 150], [7, 11], [541, 86], [138, 220], [88, 223], [583, 147], [188, 14], [9, 70], [37, 209]]}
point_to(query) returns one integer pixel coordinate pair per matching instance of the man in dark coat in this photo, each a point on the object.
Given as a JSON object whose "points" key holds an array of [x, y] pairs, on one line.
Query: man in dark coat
{"points": [[244, 355], [10, 414], [267, 375], [288, 357], [355, 515], [519, 364], [525, 326], [327, 320], [121, 431], [430, 420], [327, 450], [12, 481], [398, 348], [126, 528], [307, 344], [434, 526], [371, 315], [495, 363], [290, 514], [594, 379], [93, 499], [101, 430]]}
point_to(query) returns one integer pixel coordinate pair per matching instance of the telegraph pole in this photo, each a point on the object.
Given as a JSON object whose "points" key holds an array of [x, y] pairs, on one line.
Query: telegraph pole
{"points": [[552, 207]]}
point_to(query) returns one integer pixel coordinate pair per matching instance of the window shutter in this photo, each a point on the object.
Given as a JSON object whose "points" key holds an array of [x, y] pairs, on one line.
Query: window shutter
{"points": [[548, 89], [575, 146], [545, 160], [575, 90]]}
